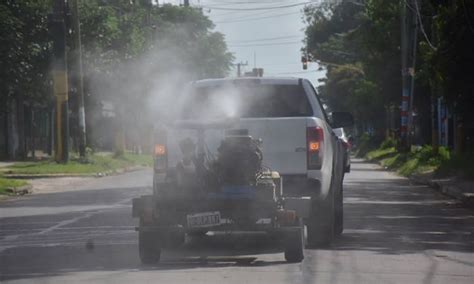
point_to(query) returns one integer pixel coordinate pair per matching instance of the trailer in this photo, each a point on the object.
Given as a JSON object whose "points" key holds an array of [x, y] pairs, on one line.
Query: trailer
{"points": [[232, 192]]}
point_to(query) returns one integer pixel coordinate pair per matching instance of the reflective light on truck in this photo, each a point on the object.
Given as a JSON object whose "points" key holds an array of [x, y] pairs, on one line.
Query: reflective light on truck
{"points": [[160, 150], [313, 146], [314, 140]]}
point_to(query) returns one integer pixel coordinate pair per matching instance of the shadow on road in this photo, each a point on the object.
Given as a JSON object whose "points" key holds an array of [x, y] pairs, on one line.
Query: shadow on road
{"points": [[387, 216], [204, 252], [395, 217]]}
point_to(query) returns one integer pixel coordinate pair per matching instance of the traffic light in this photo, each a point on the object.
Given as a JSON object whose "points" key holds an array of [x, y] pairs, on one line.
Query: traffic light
{"points": [[304, 60]]}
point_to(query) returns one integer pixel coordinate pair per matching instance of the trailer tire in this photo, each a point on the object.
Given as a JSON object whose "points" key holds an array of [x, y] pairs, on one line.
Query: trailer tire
{"points": [[149, 247], [294, 245]]}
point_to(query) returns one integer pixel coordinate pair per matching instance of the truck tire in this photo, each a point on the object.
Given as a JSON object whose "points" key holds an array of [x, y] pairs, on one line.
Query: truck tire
{"points": [[294, 245], [339, 211], [320, 224], [149, 247], [174, 240]]}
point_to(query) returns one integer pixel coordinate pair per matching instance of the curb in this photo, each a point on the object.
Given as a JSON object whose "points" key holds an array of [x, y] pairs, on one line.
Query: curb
{"points": [[101, 174], [21, 190], [444, 186], [35, 176], [448, 188]]}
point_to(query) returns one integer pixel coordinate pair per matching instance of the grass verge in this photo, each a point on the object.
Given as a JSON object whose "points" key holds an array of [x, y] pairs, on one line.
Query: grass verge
{"points": [[93, 164], [6, 184], [423, 160]]}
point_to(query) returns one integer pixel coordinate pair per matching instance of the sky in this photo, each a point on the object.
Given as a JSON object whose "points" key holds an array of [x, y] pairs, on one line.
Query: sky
{"points": [[263, 33]]}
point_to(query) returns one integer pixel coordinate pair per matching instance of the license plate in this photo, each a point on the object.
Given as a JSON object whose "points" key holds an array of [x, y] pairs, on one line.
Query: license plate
{"points": [[207, 219]]}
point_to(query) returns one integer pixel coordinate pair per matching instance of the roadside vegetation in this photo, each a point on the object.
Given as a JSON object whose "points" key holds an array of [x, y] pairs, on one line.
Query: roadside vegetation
{"points": [[134, 54], [6, 185], [421, 160], [96, 163], [359, 45]]}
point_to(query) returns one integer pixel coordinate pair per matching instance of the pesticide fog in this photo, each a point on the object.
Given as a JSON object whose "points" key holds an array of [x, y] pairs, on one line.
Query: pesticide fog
{"points": [[144, 91], [155, 89]]}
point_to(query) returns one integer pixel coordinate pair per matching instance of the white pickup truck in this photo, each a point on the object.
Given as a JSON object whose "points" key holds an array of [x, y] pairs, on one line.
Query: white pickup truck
{"points": [[296, 134]]}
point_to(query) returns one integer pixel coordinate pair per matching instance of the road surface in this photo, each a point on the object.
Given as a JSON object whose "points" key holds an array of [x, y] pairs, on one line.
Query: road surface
{"points": [[395, 232]]}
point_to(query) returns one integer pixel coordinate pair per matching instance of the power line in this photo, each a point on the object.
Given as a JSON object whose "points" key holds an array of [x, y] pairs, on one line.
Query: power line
{"points": [[255, 19], [297, 72], [255, 8], [281, 64], [264, 39], [241, 14], [422, 28], [267, 44], [246, 2]]}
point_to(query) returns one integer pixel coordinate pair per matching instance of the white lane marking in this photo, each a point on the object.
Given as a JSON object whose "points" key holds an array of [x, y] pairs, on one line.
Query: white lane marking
{"points": [[12, 238]]}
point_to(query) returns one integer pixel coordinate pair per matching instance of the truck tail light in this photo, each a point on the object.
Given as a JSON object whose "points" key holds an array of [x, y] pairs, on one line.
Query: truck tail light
{"points": [[161, 158], [314, 146], [160, 151]]}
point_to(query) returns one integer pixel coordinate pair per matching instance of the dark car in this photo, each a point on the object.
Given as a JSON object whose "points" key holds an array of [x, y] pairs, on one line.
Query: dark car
{"points": [[346, 141]]}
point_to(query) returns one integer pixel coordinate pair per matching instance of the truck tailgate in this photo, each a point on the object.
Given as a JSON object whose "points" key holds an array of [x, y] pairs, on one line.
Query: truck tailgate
{"points": [[284, 142]]}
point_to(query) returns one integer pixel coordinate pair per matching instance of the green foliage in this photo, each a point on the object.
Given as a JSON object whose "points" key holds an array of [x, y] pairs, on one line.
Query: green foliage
{"points": [[421, 160], [457, 165], [139, 55], [365, 144], [24, 51], [451, 56], [388, 143], [6, 184], [130, 48], [94, 164], [381, 153], [361, 43]]}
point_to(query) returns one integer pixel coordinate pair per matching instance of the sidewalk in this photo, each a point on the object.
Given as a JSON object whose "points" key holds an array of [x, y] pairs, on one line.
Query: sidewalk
{"points": [[460, 189]]}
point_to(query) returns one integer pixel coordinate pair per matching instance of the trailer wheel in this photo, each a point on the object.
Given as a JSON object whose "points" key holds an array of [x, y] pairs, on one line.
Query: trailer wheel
{"points": [[149, 247], [294, 245]]}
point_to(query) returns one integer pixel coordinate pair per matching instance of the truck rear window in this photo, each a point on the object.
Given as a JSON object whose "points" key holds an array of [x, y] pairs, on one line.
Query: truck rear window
{"points": [[247, 101]]}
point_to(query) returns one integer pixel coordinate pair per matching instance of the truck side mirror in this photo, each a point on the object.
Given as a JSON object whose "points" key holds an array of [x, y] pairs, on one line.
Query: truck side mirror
{"points": [[341, 119]]}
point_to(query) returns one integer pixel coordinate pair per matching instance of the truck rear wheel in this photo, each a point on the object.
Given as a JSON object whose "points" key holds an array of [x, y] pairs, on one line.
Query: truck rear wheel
{"points": [[339, 211], [320, 224], [149, 247]]}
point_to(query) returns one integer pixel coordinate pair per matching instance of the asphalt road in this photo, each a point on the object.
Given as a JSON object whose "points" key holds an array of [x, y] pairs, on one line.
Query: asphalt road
{"points": [[395, 232]]}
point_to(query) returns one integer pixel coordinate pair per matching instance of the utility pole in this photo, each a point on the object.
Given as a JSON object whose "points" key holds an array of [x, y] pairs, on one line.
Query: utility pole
{"points": [[79, 81], [434, 98], [239, 68], [411, 72], [408, 57], [60, 83]]}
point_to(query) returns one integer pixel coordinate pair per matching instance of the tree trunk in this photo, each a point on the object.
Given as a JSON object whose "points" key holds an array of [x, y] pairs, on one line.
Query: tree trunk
{"points": [[32, 133], [434, 121], [12, 130], [50, 133], [21, 127]]}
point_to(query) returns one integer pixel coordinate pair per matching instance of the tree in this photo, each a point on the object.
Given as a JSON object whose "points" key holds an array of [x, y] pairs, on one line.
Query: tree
{"points": [[360, 46], [24, 77], [137, 56]]}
